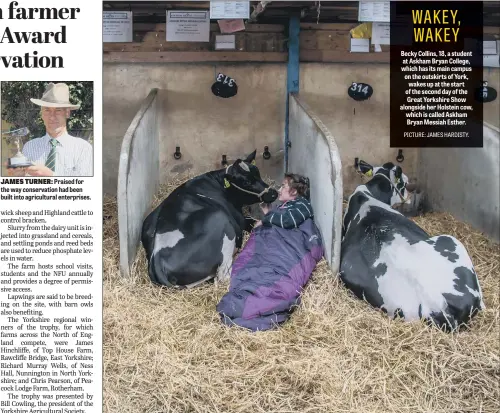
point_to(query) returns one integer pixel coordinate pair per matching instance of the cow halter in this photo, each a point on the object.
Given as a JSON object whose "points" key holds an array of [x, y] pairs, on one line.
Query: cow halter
{"points": [[227, 184], [403, 199]]}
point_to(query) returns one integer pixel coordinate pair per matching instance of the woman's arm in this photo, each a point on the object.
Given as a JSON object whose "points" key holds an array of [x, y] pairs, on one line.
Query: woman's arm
{"points": [[290, 217]]}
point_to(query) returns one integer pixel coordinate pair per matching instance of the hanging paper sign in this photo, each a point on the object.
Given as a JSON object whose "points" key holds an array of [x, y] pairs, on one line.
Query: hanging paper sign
{"points": [[381, 33], [485, 93], [222, 9], [374, 11], [117, 27], [188, 26], [231, 26], [360, 91], [225, 42], [224, 86]]}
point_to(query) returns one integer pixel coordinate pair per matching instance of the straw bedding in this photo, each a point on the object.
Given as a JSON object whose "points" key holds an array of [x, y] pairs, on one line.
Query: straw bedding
{"points": [[166, 351]]}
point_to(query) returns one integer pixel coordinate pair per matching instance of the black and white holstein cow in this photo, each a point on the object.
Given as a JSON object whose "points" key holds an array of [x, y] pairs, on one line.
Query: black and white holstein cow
{"points": [[395, 265], [192, 235]]}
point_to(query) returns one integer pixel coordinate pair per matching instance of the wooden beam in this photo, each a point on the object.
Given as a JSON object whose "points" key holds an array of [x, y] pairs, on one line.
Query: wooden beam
{"points": [[491, 30], [155, 7], [327, 26], [193, 57], [311, 56], [316, 56], [158, 46], [325, 40], [248, 42], [336, 56], [261, 28]]}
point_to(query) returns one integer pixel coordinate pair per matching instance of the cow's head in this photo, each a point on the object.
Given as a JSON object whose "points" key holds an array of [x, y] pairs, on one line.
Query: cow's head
{"points": [[244, 177], [398, 192]]}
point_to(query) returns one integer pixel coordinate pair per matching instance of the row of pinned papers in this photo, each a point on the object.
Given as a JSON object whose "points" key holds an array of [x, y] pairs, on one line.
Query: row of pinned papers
{"points": [[379, 33]]}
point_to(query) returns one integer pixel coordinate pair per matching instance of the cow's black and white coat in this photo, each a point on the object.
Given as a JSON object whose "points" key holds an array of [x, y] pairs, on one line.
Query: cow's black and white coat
{"points": [[395, 265], [192, 235]]}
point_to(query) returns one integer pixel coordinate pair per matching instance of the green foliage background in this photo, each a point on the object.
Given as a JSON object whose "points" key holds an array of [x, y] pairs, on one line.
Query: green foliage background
{"points": [[18, 110]]}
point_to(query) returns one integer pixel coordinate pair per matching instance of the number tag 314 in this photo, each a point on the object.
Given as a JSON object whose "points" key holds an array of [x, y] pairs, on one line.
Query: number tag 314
{"points": [[360, 91], [485, 93]]}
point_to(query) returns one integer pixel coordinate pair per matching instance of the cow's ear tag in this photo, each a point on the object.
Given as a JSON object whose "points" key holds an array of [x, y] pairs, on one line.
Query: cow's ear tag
{"points": [[369, 172], [253, 162], [226, 183]]}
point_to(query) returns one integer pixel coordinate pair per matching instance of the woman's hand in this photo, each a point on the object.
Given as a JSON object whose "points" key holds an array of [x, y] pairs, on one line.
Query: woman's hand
{"points": [[265, 208], [258, 224]]}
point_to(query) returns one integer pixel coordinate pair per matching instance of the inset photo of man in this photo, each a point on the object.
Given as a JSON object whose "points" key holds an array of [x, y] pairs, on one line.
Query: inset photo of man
{"points": [[47, 129]]}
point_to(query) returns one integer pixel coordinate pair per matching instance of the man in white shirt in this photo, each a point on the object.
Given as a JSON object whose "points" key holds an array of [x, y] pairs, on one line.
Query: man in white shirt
{"points": [[57, 153]]}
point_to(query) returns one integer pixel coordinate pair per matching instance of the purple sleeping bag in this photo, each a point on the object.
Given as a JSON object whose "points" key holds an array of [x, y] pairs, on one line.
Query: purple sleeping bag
{"points": [[269, 274]]}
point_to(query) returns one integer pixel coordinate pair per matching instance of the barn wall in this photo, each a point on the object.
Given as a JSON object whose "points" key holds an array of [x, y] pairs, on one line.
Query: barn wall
{"points": [[190, 116], [491, 110], [361, 129], [315, 155], [205, 127], [464, 182]]}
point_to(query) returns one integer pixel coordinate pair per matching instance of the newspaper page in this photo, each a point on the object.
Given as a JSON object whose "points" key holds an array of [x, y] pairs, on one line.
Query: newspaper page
{"points": [[50, 207], [283, 225]]}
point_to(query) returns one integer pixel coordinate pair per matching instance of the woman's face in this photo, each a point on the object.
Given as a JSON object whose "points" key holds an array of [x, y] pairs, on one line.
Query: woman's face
{"points": [[286, 193]]}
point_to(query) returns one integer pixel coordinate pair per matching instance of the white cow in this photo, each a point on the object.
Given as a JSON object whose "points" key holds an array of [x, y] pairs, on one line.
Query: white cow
{"points": [[395, 265]]}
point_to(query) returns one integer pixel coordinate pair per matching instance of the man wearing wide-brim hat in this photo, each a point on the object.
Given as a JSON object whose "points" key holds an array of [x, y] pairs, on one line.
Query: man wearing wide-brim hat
{"points": [[57, 153]]}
